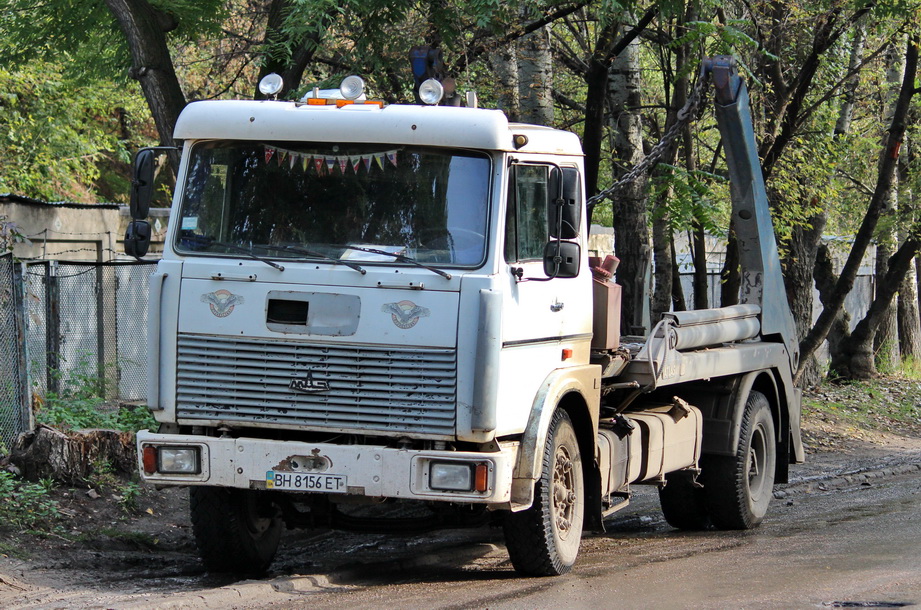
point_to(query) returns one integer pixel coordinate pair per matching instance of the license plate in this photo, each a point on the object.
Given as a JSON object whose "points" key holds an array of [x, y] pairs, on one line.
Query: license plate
{"points": [[306, 481]]}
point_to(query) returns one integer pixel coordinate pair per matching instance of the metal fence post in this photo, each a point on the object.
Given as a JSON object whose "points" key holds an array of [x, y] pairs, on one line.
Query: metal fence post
{"points": [[52, 328], [26, 421]]}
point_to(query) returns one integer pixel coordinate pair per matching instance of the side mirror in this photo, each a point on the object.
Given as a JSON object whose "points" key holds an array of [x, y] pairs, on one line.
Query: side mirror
{"points": [[562, 259], [137, 238], [564, 209], [142, 184]]}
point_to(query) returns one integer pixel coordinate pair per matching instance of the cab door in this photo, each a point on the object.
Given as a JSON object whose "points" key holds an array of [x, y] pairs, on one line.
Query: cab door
{"points": [[541, 316]]}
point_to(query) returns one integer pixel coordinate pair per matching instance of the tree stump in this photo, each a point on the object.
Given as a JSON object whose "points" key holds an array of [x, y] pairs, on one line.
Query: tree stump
{"points": [[75, 457]]}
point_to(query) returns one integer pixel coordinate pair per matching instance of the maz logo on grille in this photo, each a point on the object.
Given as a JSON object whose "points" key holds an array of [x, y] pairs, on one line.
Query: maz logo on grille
{"points": [[309, 385]]}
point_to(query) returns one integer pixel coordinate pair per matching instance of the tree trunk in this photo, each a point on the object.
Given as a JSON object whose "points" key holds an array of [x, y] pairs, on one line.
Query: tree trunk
{"points": [[289, 64], [663, 240], [73, 458], [504, 62], [858, 361], [631, 229], [885, 342], [145, 28], [678, 301], [607, 48], [535, 75], [825, 281], [908, 311], [909, 325], [731, 276], [799, 268], [846, 112]]}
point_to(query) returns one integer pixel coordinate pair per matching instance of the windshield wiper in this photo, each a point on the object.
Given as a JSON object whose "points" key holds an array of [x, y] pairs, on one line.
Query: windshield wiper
{"points": [[316, 254], [403, 259], [222, 244]]}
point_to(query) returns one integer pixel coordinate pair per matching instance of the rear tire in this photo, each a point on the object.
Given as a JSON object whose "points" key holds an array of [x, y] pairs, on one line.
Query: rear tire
{"points": [[544, 539], [684, 505], [739, 488], [236, 530]]}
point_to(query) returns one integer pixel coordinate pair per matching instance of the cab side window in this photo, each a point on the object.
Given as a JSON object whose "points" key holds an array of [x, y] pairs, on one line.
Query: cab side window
{"points": [[526, 231]]}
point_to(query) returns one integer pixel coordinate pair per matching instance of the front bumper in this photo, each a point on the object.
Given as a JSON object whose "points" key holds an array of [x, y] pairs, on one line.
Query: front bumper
{"points": [[372, 471]]}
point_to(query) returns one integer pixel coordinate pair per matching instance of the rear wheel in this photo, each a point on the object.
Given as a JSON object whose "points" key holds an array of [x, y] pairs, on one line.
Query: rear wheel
{"points": [[739, 488], [236, 530], [684, 503], [544, 539]]}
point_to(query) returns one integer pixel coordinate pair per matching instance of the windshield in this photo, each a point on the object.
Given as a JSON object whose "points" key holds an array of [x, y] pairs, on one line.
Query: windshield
{"points": [[279, 199]]}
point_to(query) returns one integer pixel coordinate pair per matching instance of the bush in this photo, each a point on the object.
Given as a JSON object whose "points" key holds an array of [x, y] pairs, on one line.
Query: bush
{"points": [[26, 506], [81, 405]]}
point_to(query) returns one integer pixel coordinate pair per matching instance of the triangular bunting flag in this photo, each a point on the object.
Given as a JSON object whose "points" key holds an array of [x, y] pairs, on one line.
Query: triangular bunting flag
{"points": [[282, 153], [379, 159], [294, 157], [318, 163], [356, 163], [343, 163], [367, 160], [269, 151], [305, 159], [392, 157], [330, 163]]}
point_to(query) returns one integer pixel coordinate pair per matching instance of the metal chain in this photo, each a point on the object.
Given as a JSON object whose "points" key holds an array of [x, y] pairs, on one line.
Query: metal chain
{"points": [[687, 112]]}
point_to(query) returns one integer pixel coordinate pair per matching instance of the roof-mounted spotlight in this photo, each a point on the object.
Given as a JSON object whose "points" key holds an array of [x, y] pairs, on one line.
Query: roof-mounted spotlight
{"points": [[270, 85], [352, 87], [431, 92]]}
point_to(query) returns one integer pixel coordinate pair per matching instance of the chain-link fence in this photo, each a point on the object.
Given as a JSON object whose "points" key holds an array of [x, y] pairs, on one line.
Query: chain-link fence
{"points": [[88, 322], [14, 411]]}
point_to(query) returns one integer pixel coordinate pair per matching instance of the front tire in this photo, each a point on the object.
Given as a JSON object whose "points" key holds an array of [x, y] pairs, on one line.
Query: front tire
{"points": [[236, 530], [739, 488], [544, 539]]}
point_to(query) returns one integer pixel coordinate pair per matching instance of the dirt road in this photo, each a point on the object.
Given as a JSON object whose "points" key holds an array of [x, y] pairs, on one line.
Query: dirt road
{"points": [[846, 531]]}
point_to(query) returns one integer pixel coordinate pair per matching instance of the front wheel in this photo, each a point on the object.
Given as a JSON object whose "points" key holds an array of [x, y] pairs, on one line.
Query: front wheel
{"points": [[739, 488], [236, 530], [544, 539]]}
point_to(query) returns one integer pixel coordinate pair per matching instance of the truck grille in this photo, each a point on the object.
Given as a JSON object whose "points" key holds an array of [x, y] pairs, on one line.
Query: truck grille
{"points": [[388, 389]]}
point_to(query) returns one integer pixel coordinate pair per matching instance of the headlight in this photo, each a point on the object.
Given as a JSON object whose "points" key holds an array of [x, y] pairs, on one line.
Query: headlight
{"points": [[431, 91], [178, 460], [451, 476]]}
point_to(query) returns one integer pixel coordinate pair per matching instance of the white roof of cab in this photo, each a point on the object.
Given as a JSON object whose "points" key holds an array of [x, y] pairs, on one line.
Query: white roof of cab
{"points": [[394, 124]]}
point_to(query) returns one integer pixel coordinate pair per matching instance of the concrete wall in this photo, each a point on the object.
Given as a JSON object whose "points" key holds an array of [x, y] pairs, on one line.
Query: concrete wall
{"points": [[76, 232]]}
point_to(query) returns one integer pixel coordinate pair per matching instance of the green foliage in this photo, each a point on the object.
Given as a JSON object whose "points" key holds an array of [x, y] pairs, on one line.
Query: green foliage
{"points": [[694, 198], [128, 496], [26, 506], [86, 33], [81, 404], [10, 234], [57, 134]]}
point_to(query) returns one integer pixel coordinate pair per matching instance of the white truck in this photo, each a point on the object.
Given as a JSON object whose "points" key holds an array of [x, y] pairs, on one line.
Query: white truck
{"points": [[368, 303]]}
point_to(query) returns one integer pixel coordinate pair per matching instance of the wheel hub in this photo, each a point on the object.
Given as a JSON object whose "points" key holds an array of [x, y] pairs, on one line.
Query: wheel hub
{"points": [[564, 495]]}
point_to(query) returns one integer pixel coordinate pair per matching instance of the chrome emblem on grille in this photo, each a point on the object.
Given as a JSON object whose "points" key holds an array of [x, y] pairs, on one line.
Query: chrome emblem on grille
{"points": [[405, 314], [309, 385]]}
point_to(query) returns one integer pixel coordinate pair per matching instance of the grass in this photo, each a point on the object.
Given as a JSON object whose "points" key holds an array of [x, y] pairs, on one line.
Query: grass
{"points": [[889, 402]]}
